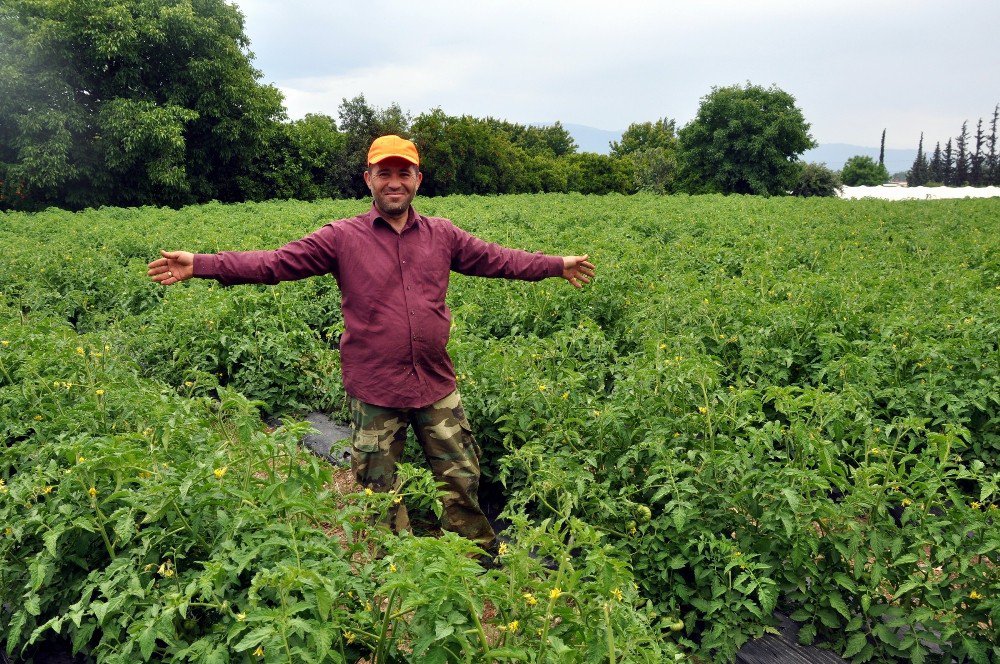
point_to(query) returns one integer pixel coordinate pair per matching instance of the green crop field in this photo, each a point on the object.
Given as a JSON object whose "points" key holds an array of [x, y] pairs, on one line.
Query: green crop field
{"points": [[759, 404]]}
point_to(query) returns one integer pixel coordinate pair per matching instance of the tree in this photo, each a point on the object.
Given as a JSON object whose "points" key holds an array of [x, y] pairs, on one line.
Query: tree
{"points": [[651, 147], [862, 170], [992, 168], [919, 172], [129, 102], [948, 164], [816, 180], [743, 140], [976, 170], [961, 177], [881, 151], [465, 155], [937, 165]]}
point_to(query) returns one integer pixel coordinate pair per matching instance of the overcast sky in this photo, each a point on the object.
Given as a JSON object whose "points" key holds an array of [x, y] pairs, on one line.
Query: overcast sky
{"points": [[854, 66]]}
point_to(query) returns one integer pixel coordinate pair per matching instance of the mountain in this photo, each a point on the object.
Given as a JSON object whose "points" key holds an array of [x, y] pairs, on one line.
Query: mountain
{"points": [[593, 140], [835, 155]]}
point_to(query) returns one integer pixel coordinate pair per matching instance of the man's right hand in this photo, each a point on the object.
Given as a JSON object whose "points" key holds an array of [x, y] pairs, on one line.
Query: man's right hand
{"points": [[174, 267]]}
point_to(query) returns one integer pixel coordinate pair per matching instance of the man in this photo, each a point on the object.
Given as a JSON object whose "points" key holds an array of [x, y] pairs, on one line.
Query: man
{"points": [[392, 266]]}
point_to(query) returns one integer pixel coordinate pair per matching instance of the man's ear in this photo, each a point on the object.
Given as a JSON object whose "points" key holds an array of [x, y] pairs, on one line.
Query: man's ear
{"points": [[368, 178]]}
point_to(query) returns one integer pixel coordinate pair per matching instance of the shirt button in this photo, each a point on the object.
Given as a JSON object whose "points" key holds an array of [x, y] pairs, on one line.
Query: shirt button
{"points": [[413, 313]]}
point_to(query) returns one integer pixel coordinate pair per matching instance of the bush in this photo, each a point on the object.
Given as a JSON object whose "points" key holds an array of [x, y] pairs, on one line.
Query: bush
{"points": [[817, 180], [862, 170]]}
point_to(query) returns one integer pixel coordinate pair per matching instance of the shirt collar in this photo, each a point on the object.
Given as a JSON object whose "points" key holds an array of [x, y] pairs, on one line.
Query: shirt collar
{"points": [[412, 218]]}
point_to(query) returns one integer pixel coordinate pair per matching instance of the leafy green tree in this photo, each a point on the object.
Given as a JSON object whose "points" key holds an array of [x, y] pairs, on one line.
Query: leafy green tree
{"points": [[652, 149], [645, 136], [128, 102], [465, 155], [592, 173], [549, 140], [816, 180], [743, 140], [302, 161], [862, 170]]}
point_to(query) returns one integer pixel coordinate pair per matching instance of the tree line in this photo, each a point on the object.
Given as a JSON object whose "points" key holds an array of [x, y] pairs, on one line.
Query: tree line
{"points": [[156, 102], [962, 163]]}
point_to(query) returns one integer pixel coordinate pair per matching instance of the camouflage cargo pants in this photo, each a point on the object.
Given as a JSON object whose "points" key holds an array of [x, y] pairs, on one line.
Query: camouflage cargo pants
{"points": [[379, 435]]}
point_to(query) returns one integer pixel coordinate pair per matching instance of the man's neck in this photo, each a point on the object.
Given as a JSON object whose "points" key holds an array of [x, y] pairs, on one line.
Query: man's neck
{"points": [[396, 222]]}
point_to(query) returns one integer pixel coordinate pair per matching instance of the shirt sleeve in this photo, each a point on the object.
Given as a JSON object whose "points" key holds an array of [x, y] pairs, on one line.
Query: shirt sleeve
{"points": [[310, 256], [479, 258]]}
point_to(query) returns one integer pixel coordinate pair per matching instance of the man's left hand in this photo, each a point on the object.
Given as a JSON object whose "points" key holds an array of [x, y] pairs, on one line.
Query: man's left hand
{"points": [[577, 270]]}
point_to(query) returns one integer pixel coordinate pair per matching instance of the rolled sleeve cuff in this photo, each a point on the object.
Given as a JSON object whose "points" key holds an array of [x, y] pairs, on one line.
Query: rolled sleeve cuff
{"points": [[555, 267], [206, 266]]}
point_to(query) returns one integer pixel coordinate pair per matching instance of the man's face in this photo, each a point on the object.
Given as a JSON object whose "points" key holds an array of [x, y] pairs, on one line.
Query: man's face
{"points": [[393, 183]]}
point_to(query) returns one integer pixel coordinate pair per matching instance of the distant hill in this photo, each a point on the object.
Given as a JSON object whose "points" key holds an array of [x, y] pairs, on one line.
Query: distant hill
{"points": [[593, 140], [835, 155]]}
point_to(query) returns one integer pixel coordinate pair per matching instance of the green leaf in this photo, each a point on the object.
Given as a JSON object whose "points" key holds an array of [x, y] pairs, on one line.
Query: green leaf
{"points": [[855, 644], [837, 602]]}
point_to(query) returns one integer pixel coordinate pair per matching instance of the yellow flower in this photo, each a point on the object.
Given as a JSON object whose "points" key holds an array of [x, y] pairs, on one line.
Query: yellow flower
{"points": [[368, 606], [99, 393], [220, 472], [259, 652], [39, 418], [597, 413], [92, 492], [166, 569], [397, 500], [876, 451], [565, 395], [502, 549], [975, 595], [392, 568], [513, 625], [907, 502], [530, 599], [975, 504], [5, 342], [702, 410], [240, 617], [188, 383], [79, 350], [368, 491], [555, 593], [47, 489], [542, 387], [663, 346], [349, 637], [617, 594], [80, 459], [3, 486]]}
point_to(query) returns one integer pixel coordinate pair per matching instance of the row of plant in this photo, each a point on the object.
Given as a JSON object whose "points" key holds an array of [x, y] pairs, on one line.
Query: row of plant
{"points": [[759, 404]]}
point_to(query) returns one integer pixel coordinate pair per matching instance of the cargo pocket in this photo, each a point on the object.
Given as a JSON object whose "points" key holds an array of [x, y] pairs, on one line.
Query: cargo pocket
{"points": [[469, 440], [365, 441]]}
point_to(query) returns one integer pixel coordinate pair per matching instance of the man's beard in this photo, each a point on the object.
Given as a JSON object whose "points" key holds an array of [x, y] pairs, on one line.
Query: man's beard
{"points": [[393, 209]]}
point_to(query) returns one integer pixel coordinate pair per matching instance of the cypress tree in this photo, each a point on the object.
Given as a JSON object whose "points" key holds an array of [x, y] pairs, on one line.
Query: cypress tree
{"points": [[976, 172], [881, 151], [948, 165], [992, 170], [962, 156], [918, 172], [936, 167]]}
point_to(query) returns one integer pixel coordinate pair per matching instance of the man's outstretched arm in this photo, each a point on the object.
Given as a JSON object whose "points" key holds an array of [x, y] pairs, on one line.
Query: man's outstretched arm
{"points": [[310, 256], [476, 257]]}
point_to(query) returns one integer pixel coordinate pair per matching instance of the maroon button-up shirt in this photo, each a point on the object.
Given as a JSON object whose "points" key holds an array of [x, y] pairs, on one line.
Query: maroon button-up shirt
{"points": [[392, 286]]}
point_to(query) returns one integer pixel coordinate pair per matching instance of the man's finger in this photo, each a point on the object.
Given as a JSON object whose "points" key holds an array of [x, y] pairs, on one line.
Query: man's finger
{"points": [[157, 263]]}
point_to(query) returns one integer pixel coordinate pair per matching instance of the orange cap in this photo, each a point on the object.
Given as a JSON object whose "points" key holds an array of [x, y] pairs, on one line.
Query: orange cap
{"points": [[393, 146]]}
